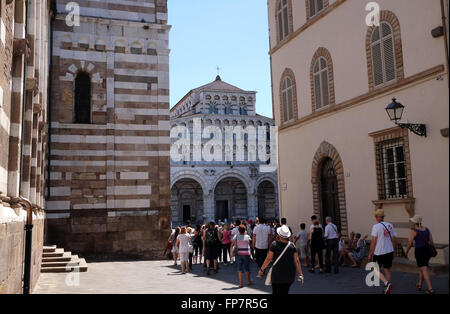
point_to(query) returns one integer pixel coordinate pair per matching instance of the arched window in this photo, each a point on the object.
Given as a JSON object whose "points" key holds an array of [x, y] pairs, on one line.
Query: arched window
{"points": [[315, 6], [384, 51], [383, 54], [287, 96], [82, 98], [321, 81], [283, 16], [243, 111]]}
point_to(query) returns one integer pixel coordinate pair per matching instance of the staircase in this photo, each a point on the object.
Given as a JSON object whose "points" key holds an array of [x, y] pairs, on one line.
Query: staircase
{"points": [[55, 260]]}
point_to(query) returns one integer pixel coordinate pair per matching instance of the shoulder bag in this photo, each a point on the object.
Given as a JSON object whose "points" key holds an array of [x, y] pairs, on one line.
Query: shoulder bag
{"points": [[269, 274]]}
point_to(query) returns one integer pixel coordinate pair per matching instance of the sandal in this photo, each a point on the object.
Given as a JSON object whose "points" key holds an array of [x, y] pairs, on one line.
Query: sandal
{"points": [[419, 286], [430, 291]]}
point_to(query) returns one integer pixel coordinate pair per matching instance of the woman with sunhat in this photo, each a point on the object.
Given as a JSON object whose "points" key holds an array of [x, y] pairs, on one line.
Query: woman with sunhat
{"points": [[422, 239], [286, 262]]}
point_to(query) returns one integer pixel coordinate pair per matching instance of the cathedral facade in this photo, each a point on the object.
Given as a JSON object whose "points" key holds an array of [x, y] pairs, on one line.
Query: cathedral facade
{"points": [[109, 136], [219, 189]]}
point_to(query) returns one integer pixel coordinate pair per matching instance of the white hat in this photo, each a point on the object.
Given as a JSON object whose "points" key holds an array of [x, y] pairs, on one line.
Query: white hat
{"points": [[417, 219], [284, 231]]}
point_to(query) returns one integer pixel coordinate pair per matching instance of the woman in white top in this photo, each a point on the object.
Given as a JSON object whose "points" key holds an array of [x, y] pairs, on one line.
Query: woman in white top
{"points": [[183, 243]]}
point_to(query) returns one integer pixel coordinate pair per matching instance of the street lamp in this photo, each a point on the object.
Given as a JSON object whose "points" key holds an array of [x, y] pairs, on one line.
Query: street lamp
{"points": [[395, 112]]}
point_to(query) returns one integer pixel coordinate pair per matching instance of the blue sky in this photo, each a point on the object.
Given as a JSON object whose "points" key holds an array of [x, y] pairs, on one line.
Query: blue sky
{"points": [[231, 34]]}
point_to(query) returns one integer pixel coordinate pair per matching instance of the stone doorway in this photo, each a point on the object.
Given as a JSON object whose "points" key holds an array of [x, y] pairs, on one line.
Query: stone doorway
{"points": [[222, 211], [329, 193]]}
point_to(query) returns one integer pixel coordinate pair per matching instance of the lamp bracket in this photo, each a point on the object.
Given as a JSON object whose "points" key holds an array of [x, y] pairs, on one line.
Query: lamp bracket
{"points": [[418, 129]]}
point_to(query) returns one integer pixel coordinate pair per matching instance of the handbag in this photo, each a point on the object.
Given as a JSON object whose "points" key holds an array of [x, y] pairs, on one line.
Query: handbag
{"points": [[269, 274], [431, 248]]}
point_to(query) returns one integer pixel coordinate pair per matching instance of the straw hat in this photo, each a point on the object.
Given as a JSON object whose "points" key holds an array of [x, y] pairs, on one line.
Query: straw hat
{"points": [[284, 231], [417, 219], [379, 213]]}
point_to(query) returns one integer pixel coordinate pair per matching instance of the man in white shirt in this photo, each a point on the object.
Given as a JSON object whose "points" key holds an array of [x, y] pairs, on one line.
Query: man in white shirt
{"points": [[382, 248], [262, 238], [332, 238]]}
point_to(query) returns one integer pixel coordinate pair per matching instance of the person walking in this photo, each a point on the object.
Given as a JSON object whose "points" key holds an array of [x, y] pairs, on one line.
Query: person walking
{"points": [[226, 243], [173, 241], [191, 246], [242, 244], [422, 239], [302, 247], [332, 238], [316, 243], [210, 236], [286, 263], [197, 244], [183, 243], [262, 237], [382, 248]]}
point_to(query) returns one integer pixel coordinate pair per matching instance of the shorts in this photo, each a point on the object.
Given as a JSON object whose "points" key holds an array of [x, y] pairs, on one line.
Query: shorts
{"points": [[243, 263], [211, 252], [184, 257], [422, 255], [198, 248], [302, 251], [385, 260]]}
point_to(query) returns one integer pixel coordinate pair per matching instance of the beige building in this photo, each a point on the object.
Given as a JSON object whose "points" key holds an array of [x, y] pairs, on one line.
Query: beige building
{"points": [[334, 72]]}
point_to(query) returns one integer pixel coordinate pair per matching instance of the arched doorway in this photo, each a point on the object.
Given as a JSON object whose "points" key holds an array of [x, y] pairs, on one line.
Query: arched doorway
{"points": [[230, 196], [186, 201], [329, 193], [266, 200], [328, 186]]}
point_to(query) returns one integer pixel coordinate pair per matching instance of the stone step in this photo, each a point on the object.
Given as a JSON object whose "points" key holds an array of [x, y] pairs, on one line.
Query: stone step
{"points": [[81, 267], [49, 249], [74, 261], [66, 257], [56, 253]]}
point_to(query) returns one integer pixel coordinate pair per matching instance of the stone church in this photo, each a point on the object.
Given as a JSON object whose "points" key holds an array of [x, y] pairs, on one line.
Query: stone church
{"points": [[219, 190], [109, 137]]}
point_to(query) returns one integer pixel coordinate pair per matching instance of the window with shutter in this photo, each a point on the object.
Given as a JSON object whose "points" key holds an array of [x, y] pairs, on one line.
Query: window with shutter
{"points": [[283, 19], [288, 100], [321, 83], [383, 55], [315, 6]]}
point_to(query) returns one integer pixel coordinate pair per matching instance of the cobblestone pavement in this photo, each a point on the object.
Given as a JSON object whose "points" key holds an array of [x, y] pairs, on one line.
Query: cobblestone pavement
{"points": [[161, 277]]}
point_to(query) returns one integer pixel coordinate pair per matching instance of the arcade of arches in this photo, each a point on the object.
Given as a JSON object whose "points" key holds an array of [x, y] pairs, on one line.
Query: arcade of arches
{"points": [[229, 200]]}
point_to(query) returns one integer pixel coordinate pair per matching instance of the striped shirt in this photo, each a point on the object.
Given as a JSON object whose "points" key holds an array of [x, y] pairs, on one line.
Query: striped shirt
{"points": [[243, 244]]}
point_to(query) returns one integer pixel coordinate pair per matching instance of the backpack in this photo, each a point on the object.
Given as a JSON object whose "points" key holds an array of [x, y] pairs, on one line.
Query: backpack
{"points": [[211, 237]]}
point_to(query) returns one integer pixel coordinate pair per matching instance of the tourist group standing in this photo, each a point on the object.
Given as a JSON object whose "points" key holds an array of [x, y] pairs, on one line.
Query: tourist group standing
{"points": [[279, 254]]}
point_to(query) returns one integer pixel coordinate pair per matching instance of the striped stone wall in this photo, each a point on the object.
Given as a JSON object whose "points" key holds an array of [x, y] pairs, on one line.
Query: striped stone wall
{"points": [[24, 57], [109, 180]]}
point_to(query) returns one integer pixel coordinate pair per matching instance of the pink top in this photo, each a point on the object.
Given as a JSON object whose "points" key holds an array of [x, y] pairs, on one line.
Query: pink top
{"points": [[226, 236]]}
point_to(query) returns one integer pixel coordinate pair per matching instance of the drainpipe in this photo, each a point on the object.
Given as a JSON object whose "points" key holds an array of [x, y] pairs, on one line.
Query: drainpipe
{"points": [[28, 242]]}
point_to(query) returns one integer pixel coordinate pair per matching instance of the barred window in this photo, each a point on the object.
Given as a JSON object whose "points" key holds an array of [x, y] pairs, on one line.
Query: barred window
{"points": [[315, 6], [321, 83], [383, 54], [283, 19], [391, 167], [82, 104], [287, 94]]}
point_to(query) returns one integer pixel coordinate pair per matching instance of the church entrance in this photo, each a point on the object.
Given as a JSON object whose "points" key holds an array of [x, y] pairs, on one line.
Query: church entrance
{"points": [[266, 200], [329, 193], [222, 211], [186, 213]]}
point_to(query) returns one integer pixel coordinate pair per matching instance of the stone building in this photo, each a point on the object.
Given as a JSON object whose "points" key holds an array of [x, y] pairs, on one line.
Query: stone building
{"points": [[24, 68], [109, 136], [334, 72], [227, 188]]}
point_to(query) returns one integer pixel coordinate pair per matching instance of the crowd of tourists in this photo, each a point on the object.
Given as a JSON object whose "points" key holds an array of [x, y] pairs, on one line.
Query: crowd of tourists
{"points": [[280, 254]]}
